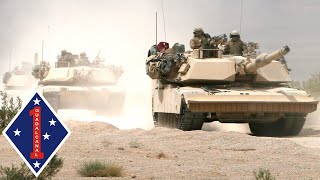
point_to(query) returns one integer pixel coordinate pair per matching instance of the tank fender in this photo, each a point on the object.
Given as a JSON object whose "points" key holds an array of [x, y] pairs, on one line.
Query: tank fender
{"points": [[167, 100]]}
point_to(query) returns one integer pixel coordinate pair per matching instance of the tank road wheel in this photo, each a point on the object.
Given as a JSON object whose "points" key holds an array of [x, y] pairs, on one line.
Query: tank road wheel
{"points": [[290, 125], [185, 123], [297, 123], [155, 119], [168, 120], [192, 121]]}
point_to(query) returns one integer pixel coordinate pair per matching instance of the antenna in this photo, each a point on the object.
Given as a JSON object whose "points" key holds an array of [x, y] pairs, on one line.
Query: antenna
{"points": [[156, 28], [35, 59], [164, 22], [98, 53], [241, 17], [42, 51], [10, 59]]}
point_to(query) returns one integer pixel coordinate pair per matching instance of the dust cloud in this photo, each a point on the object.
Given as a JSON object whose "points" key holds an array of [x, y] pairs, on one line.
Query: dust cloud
{"points": [[136, 112], [226, 127], [313, 119]]}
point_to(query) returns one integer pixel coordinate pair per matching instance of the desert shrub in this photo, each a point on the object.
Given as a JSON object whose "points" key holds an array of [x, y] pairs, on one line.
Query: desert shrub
{"points": [[100, 169], [10, 173], [263, 174], [311, 85], [52, 168], [9, 108], [24, 173]]}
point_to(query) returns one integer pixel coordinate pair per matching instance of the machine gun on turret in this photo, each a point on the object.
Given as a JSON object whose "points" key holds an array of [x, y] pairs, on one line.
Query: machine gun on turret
{"points": [[220, 39]]}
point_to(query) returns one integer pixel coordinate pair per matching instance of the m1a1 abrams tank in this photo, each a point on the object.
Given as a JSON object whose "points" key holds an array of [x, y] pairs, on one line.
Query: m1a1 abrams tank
{"points": [[19, 78], [190, 89], [75, 83]]}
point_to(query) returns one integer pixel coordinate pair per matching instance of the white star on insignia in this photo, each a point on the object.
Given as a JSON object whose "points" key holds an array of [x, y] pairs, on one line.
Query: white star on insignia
{"points": [[46, 136], [36, 101], [36, 164], [17, 132], [52, 122]]}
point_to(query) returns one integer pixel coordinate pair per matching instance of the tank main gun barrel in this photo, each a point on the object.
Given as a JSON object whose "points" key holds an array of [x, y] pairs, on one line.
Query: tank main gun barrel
{"points": [[265, 59]]}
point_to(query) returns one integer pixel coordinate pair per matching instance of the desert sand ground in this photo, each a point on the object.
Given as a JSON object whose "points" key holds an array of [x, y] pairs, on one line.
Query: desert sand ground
{"points": [[186, 155]]}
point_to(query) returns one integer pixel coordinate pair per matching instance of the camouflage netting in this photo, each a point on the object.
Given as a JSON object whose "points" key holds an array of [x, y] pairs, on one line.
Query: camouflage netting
{"points": [[164, 66]]}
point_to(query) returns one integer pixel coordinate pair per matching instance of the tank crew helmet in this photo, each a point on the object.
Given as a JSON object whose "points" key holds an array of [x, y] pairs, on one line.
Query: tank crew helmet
{"points": [[234, 33], [198, 31], [162, 46], [63, 52]]}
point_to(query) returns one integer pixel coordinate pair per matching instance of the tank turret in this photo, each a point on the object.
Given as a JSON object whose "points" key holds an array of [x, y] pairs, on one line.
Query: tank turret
{"points": [[264, 59]]}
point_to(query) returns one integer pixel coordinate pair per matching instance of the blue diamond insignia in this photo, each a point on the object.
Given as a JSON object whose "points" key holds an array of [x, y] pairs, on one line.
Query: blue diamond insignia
{"points": [[36, 133]]}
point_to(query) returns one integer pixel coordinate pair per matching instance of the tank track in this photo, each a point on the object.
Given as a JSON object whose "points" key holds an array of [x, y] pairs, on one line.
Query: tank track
{"points": [[155, 119], [290, 125], [191, 121], [186, 121]]}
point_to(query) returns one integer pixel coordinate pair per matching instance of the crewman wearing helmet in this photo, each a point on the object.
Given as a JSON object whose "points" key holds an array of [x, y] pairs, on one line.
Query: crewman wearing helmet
{"points": [[202, 40], [198, 39], [83, 60], [235, 46], [62, 55]]}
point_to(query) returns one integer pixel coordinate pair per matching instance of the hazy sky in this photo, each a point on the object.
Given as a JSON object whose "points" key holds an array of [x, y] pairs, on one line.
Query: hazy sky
{"points": [[124, 30]]}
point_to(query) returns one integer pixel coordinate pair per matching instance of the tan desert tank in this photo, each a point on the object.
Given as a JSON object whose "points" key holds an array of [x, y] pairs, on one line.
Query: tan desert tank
{"points": [[75, 83], [190, 89], [19, 78]]}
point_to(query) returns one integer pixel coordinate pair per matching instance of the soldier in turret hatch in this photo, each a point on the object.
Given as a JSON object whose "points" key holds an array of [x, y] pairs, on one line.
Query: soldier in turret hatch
{"points": [[62, 55], [84, 60], [235, 46], [198, 39], [202, 40]]}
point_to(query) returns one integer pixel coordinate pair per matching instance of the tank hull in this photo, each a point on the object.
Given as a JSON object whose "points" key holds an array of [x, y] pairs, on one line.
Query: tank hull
{"points": [[231, 105], [251, 104], [105, 100]]}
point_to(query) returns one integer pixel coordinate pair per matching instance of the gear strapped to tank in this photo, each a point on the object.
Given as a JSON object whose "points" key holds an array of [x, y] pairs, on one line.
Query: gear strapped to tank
{"points": [[164, 65]]}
